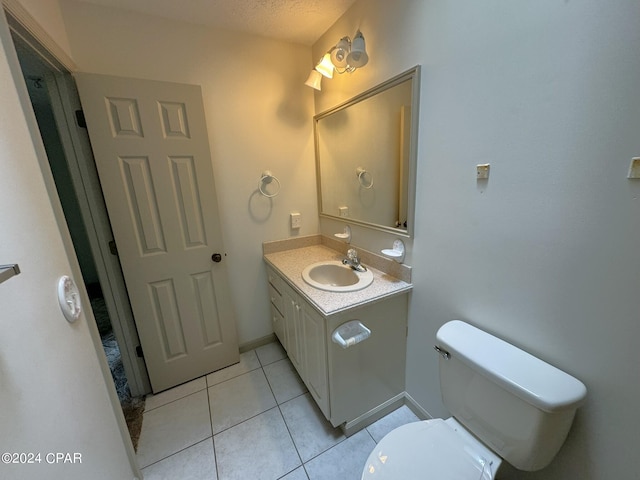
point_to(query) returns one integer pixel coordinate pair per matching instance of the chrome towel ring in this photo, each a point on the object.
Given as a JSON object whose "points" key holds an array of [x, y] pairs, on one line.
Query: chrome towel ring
{"points": [[362, 178], [265, 179]]}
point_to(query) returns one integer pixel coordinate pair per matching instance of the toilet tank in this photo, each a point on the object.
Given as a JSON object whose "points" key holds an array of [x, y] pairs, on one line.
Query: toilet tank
{"points": [[518, 405]]}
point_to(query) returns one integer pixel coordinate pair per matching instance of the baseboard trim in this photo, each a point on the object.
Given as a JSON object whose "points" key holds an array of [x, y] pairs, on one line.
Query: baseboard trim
{"points": [[373, 415], [415, 407], [245, 347]]}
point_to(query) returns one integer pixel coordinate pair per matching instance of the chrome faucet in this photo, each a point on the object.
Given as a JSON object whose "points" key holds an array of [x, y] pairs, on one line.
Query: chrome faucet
{"points": [[353, 261]]}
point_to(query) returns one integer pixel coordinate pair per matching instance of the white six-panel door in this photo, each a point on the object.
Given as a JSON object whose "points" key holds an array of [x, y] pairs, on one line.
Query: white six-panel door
{"points": [[152, 153]]}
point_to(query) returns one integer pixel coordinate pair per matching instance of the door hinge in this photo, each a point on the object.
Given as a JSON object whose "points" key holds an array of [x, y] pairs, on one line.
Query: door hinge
{"points": [[113, 248], [139, 352], [80, 120]]}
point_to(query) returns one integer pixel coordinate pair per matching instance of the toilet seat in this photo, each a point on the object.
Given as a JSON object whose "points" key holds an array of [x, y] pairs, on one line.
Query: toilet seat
{"points": [[431, 449]]}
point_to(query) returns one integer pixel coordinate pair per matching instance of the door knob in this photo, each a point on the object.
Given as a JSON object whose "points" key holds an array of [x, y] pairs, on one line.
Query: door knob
{"points": [[216, 257]]}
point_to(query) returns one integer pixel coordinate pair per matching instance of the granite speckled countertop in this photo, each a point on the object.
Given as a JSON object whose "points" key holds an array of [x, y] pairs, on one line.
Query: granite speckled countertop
{"points": [[290, 263]]}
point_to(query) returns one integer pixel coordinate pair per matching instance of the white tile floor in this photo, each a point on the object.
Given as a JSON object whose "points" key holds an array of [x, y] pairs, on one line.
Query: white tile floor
{"points": [[251, 421]]}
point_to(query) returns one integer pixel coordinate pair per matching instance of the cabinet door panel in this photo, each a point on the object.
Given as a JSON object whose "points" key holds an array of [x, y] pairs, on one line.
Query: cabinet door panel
{"points": [[292, 327], [278, 326], [315, 359]]}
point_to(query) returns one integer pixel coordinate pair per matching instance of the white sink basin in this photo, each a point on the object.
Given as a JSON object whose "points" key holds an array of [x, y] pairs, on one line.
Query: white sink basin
{"points": [[333, 276]]}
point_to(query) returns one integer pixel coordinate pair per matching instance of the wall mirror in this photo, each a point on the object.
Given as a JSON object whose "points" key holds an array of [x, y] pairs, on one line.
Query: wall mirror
{"points": [[366, 156]]}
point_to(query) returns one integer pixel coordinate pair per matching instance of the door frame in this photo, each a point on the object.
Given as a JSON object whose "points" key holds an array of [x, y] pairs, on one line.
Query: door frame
{"points": [[84, 176]]}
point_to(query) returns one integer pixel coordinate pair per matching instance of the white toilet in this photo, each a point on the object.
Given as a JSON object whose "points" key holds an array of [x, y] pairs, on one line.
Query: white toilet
{"points": [[506, 404]]}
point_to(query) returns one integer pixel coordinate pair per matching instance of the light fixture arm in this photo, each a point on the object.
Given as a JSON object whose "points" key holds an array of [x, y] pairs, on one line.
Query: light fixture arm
{"points": [[348, 69]]}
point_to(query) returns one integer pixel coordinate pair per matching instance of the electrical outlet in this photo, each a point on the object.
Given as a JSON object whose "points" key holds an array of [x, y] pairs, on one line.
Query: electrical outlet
{"points": [[296, 220], [343, 211]]}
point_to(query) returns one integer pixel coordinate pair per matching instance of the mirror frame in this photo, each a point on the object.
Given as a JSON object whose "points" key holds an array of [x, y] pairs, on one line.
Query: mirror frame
{"points": [[412, 74]]}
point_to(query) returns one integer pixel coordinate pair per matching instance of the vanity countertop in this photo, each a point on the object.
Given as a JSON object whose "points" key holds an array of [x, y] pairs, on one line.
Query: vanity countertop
{"points": [[290, 263]]}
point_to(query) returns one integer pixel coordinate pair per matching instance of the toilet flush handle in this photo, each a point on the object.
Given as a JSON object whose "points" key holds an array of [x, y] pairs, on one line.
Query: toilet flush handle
{"points": [[446, 355]]}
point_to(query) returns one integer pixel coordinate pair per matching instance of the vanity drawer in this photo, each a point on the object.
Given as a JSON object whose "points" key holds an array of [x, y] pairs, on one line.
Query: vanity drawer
{"points": [[275, 297], [274, 279]]}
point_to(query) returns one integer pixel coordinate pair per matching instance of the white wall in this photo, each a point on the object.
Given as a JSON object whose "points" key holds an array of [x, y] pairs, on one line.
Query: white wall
{"points": [[54, 397], [544, 254], [258, 113]]}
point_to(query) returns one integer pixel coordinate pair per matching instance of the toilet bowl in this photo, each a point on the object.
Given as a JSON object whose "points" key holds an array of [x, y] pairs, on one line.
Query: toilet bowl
{"points": [[431, 449], [506, 405]]}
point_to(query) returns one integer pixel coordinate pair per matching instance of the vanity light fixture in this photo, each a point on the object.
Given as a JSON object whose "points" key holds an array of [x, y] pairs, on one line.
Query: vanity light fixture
{"points": [[325, 66], [314, 80], [345, 56]]}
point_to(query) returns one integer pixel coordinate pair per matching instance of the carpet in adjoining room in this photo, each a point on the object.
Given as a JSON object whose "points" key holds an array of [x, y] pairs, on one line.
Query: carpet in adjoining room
{"points": [[132, 407]]}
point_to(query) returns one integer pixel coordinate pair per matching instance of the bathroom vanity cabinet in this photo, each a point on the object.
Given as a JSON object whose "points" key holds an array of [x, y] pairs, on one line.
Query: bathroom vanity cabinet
{"points": [[352, 386], [302, 332]]}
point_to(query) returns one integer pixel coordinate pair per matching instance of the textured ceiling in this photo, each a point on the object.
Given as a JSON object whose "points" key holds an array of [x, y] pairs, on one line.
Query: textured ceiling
{"points": [[297, 21]]}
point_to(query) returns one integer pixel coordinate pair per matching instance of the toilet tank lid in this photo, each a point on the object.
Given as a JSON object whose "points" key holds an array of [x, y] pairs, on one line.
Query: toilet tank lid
{"points": [[533, 380]]}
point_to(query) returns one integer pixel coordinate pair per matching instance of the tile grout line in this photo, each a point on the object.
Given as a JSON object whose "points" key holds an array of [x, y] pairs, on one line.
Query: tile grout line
{"points": [[258, 414], [367, 429], [278, 404], [286, 425], [294, 443], [302, 463], [213, 441], [340, 442], [261, 366], [177, 399], [175, 453], [326, 450], [188, 446]]}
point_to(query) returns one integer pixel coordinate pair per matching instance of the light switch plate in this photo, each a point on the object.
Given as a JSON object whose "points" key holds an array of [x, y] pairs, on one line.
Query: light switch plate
{"points": [[296, 220], [482, 171], [634, 168]]}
